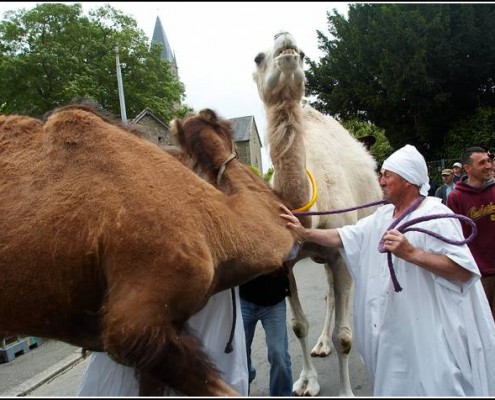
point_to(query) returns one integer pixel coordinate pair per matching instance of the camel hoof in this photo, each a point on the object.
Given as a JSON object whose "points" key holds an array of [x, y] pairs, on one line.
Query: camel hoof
{"points": [[321, 350], [306, 387]]}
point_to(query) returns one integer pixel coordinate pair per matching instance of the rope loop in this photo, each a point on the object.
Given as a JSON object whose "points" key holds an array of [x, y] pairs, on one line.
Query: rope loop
{"points": [[406, 227]]}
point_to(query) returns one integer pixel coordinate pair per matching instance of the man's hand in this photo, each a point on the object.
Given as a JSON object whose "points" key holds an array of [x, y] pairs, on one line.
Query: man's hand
{"points": [[398, 245], [439, 264], [323, 237], [292, 222]]}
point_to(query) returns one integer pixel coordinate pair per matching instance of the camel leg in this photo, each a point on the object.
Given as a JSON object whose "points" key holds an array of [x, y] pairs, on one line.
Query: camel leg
{"points": [[140, 329], [165, 355], [342, 334], [307, 384], [323, 345]]}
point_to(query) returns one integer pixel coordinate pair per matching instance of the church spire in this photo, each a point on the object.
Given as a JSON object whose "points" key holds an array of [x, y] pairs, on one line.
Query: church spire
{"points": [[159, 36]]}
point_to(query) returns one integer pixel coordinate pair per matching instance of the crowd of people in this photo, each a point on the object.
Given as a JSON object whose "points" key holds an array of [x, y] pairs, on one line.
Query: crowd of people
{"points": [[424, 300]]}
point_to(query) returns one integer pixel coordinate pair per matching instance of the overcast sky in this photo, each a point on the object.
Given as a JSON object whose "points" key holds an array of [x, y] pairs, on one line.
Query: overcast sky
{"points": [[215, 44]]}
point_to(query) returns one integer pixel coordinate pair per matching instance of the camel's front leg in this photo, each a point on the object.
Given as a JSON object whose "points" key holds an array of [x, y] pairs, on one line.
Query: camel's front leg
{"points": [[307, 384], [342, 334], [323, 346]]}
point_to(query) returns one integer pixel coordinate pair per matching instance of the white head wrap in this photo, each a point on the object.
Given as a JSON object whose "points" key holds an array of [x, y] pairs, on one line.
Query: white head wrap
{"points": [[410, 165]]}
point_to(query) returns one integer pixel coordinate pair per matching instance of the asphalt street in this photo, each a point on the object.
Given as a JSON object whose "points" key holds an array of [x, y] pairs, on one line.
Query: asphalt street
{"points": [[55, 369]]}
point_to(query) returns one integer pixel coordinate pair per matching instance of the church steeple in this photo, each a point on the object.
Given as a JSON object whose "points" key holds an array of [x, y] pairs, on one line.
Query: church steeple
{"points": [[159, 36]]}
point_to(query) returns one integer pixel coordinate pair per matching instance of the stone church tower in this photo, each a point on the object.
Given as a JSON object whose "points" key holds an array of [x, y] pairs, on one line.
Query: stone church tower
{"points": [[159, 36]]}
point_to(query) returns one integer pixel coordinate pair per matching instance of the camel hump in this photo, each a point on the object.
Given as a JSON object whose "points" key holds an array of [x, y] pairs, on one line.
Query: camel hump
{"points": [[18, 127], [76, 126]]}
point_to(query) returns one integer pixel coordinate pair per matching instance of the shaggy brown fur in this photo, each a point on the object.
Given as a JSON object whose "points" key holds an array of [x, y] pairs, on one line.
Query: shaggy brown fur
{"points": [[109, 243]]}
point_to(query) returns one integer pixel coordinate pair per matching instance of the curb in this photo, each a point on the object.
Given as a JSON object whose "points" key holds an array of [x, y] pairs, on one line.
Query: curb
{"points": [[36, 381]]}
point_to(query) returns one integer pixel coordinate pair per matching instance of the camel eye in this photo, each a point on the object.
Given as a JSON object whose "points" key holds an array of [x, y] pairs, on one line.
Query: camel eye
{"points": [[259, 58]]}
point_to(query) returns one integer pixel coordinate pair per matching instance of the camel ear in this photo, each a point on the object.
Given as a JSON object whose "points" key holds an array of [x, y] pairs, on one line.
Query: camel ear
{"points": [[208, 114], [175, 130]]}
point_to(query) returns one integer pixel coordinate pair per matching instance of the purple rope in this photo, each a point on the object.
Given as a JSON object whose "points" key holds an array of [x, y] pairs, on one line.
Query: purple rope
{"points": [[375, 203], [405, 227]]}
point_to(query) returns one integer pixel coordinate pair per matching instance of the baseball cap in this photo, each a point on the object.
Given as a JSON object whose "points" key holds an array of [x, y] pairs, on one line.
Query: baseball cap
{"points": [[457, 164], [447, 172]]}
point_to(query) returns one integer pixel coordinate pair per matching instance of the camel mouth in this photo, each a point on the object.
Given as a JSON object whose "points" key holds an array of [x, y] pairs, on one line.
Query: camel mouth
{"points": [[287, 51]]}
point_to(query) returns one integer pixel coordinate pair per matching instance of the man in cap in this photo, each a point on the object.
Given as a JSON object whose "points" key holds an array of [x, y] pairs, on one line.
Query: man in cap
{"points": [[447, 186], [457, 168], [474, 196], [434, 337]]}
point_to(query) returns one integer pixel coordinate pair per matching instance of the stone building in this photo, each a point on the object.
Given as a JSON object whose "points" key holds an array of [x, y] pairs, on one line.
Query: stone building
{"points": [[247, 141], [246, 135], [155, 130]]}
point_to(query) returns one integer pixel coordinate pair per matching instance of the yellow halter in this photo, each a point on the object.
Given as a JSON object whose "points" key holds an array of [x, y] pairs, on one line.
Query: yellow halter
{"points": [[310, 203]]}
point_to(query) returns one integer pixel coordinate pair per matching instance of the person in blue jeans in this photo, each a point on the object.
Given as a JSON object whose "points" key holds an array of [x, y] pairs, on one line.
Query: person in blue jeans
{"points": [[263, 299]]}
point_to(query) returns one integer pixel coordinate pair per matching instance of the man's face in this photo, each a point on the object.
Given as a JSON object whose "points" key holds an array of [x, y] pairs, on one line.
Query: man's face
{"points": [[480, 167], [456, 170], [448, 179], [393, 185]]}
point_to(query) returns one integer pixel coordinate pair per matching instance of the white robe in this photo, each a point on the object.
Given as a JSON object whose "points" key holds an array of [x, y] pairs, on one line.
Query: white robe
{"points": [[105, 377], [434, 338]]}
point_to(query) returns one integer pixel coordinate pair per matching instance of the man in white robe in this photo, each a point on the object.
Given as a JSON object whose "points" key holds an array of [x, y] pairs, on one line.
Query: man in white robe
{"points": [[436, 336], [107, 378]]}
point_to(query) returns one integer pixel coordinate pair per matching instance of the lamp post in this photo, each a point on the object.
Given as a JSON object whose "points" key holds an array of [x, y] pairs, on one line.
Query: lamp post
{"points": [[120, 88]]}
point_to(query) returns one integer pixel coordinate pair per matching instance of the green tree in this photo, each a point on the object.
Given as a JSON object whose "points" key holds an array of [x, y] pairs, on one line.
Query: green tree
{"points": [[381, 149], [268, 174], [475, 130], [410, 69], [53, 53]]}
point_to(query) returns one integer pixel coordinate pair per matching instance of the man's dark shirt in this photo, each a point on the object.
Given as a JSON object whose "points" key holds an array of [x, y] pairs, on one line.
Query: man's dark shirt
{"points": [[266, 290]]}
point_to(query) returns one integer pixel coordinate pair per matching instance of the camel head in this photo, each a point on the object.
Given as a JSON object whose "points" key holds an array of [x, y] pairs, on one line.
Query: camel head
{"points": [[279, 72], [208, 140]]}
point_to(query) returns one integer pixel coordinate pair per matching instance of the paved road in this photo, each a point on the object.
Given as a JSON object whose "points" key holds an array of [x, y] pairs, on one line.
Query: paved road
{"points": [[42, 362]]}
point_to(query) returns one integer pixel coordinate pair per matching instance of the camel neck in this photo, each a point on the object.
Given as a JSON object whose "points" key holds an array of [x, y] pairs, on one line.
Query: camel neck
{"points": [[288, 154]]}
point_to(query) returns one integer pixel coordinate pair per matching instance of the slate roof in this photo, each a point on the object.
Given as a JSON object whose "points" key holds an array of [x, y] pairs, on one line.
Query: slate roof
{"points": [[242, 128]]}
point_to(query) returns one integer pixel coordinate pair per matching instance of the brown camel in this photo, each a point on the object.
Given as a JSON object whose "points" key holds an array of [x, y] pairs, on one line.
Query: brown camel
{"points": [[109, 243], [304, 142]]}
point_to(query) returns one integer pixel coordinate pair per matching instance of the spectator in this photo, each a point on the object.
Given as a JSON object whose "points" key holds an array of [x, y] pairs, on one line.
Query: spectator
{"points": [[448, 185], [474, 196], [263, 299], [435, 337], [457, 169], [433, 184]]}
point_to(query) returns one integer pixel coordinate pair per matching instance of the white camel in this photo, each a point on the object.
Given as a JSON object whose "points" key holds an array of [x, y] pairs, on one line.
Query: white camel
{"points": [[318, 166]]}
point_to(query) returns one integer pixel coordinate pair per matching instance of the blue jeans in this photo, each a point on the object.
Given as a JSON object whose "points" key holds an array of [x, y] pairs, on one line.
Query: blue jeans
{"points": [[274, 322]]}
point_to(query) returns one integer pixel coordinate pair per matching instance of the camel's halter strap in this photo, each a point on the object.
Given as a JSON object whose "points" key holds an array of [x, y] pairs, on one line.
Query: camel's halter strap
{"points": [[405, 227], [314, 195], [223, 166]]}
